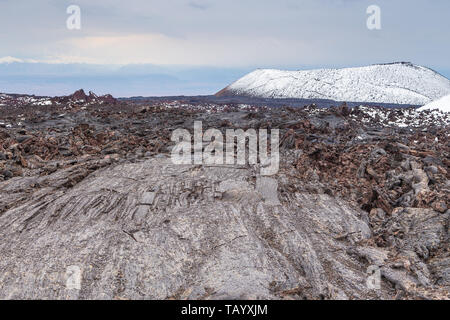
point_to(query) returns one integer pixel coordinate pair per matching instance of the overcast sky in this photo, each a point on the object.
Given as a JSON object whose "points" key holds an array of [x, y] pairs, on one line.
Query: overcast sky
{"points": [[223, 34]]}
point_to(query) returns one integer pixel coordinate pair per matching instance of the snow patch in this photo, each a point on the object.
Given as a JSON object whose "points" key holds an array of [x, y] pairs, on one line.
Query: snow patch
{"points": [[442, 104]]}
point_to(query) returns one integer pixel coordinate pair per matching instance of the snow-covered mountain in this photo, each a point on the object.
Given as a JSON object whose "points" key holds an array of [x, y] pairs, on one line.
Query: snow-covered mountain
{"points": [[396, 83], [442, 104]]}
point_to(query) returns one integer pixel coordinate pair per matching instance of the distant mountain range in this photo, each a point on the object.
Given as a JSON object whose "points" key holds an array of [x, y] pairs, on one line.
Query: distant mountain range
{"points": [[396, 83]]}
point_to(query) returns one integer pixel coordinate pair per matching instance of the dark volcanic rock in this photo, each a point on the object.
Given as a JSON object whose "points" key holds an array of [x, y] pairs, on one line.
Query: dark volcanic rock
{"points": [[91, 194], [79, 95]]}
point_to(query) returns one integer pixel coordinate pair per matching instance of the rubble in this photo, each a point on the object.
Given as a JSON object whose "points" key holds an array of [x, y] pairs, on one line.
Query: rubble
{"points": [[357, 186]]}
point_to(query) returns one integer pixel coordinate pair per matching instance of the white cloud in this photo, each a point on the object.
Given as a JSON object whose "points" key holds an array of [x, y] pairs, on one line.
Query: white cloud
{"points": [[10, 59], [195, 50]]}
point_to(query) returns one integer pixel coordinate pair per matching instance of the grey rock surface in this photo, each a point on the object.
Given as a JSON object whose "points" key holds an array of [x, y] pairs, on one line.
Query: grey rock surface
{"points": [[154, 230]]}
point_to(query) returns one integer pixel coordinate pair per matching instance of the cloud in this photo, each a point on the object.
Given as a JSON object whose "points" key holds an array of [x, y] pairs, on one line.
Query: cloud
{"points": [[199, 5], [156, 48], [9, 59]]}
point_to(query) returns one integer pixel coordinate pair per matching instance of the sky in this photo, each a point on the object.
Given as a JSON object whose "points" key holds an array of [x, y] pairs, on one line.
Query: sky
{"points": [[191, 47]]}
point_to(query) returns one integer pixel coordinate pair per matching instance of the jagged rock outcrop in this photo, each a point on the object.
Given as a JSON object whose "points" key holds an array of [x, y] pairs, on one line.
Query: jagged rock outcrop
{"points": [[80, 96]]}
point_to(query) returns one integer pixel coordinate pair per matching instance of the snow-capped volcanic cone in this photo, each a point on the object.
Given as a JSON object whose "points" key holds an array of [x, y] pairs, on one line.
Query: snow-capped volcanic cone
{"points": [[396, 83], [442, 104]]}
